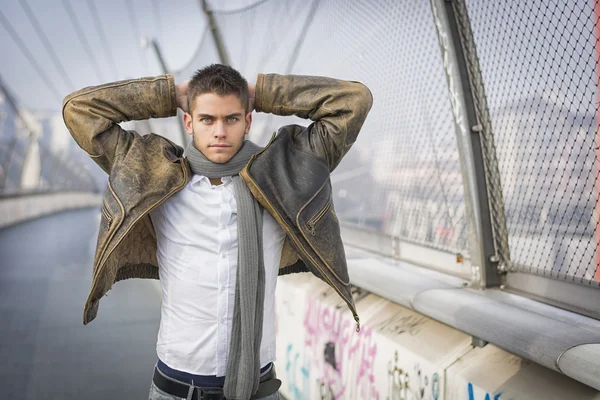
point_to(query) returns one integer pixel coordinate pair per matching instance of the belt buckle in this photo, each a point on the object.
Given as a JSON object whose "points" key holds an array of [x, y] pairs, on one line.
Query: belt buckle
{"points": [[211, 394]]}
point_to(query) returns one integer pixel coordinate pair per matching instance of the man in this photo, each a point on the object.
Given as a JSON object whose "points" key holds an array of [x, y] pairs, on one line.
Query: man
{"points": [[198, 222]]}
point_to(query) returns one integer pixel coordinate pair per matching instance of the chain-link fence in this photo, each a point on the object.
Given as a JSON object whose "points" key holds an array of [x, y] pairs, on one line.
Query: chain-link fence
{"points": [[538, 62], [535, 93], [403, 176]]}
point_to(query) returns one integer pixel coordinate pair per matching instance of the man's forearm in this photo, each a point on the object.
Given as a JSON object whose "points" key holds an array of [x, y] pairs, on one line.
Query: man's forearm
{"points": [[92, 114], [343, 103], [338, 107]]}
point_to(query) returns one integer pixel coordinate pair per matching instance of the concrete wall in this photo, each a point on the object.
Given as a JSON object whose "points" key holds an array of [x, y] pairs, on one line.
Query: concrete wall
{"points": [[397, 355], [18, 209]]}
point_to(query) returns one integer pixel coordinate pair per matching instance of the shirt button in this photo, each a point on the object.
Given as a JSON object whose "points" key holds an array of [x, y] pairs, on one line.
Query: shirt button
{"points": [[223, 227], [223, 255]]}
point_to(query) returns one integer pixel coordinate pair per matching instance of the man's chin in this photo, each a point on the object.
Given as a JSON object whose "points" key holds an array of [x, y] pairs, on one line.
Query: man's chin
{"points": [[219, 158]]}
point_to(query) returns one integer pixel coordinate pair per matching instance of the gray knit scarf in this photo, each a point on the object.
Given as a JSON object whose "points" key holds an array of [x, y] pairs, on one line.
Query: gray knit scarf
{"points": [[243, 363]]}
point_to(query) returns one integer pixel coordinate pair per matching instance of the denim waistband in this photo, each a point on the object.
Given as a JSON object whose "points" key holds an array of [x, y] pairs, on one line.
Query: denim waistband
{"points": [[198, 380]]}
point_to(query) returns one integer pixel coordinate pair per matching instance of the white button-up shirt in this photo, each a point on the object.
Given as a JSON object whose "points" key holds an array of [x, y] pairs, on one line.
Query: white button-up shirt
{"points": [[196, 230]]}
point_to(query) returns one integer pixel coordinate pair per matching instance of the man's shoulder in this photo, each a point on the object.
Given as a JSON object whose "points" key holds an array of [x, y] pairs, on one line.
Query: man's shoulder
{"points": [[292, 138], [150, 155], [154, 139], [286, 134], [152, 167], [289, 158], [154, 145]]}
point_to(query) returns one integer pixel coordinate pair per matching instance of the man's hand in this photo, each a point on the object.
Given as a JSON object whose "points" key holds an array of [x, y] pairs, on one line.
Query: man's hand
{"points": [[251, 93], [181, 95]]}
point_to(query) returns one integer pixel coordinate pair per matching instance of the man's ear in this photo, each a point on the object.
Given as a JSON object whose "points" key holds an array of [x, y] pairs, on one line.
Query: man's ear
{"points": [[248, 121], [187, 122]]}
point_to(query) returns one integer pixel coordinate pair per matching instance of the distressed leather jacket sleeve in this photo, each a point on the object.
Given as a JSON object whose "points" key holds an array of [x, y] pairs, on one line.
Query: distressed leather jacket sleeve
{"points": [[92, 114], [338, 109]]}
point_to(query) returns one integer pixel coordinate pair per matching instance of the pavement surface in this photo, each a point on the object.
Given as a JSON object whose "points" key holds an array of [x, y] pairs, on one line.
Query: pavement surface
{"points": [[45, 350]]}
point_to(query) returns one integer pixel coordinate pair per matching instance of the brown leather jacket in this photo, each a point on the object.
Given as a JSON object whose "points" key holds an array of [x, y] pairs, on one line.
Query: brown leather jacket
{"points": [[289, 177]]}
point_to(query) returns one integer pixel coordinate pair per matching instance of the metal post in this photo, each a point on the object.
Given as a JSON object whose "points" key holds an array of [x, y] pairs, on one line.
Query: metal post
{"points": [[152, 42], [32, 137], [30, 175], [482, 244], [214, 28], [159, 55], [597, 231], [305, 27]]}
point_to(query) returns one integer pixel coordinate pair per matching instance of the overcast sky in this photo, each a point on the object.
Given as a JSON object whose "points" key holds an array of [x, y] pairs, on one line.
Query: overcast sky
{"points": [[52, 47]]}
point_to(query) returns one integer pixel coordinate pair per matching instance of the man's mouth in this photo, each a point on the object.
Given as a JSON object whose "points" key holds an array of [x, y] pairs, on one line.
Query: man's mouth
{"points": [[220, 146]]}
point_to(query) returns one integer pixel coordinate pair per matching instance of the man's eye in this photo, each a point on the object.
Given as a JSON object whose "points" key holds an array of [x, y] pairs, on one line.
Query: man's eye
{"points": [[232, 119], [206, 120]]}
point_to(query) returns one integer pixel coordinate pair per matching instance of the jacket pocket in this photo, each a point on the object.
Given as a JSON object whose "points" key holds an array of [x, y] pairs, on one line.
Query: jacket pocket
{"points": [[318, 217], [320, 228]]}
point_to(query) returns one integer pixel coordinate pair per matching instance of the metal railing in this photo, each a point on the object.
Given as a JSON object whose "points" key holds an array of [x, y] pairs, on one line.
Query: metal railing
{"points": [[28, 166]]}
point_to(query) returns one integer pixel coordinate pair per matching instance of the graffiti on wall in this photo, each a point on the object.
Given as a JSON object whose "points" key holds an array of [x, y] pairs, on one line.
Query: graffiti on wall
{"points": [[333, 361], [404, 386], [398, 381], [297, 371], [488, 396], [344, 358], [435, 386], [402, 322]]}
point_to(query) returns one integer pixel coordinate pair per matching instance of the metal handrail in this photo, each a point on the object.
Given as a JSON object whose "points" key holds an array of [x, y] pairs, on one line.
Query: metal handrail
{"points": [[41, 192], [545, 334]]}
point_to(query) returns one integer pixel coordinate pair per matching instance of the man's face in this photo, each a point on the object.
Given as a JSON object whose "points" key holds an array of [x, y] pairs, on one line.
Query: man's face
{"points": [[218, 125]]}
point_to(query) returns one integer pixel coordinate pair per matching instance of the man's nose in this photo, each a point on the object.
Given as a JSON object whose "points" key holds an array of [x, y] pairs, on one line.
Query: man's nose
{"points": [[219, 129]]}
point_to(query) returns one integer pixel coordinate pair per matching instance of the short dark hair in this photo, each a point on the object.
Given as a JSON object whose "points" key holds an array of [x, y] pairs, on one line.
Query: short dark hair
{"points": [[219, 79]]}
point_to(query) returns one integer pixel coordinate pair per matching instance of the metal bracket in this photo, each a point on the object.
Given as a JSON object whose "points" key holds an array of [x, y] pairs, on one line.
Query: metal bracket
{"points": [[478, 342], [477, 128]]}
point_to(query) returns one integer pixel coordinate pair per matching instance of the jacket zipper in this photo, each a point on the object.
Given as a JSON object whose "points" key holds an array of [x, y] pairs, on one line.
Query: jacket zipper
{"points": [[295, 239], [318, 217], [105, 256]]}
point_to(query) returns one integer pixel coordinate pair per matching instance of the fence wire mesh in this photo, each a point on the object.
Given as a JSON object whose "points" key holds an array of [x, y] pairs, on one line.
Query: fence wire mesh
{"points": [[402, 177], [538, 60]]}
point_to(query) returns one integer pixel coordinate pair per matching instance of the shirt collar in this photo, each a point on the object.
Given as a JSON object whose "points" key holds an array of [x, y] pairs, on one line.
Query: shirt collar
{"points": [[203, 181]]}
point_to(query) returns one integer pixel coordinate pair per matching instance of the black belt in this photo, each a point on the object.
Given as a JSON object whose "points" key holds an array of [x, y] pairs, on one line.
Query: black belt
{"points": [[269, 384]]}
